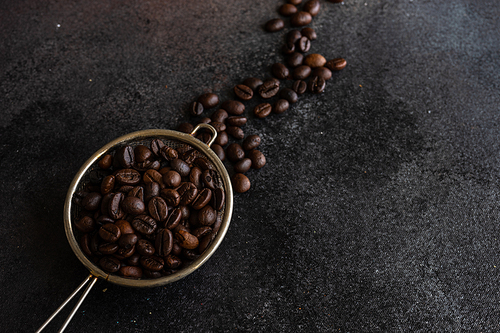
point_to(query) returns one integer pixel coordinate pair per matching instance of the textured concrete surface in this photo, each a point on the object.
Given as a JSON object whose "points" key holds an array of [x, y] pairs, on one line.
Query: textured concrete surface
{"points": [[376, 212]]}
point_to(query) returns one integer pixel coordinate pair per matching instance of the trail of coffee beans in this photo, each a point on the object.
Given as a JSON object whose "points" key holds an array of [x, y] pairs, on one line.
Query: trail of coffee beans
{"points": [[304, 73]]}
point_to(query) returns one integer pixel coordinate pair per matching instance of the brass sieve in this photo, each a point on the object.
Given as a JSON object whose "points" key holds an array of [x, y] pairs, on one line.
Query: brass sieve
{"points": [[173, 139]]}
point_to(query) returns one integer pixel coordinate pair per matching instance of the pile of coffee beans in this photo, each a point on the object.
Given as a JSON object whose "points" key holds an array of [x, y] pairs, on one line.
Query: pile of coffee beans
{"points": [[302, 73], [149, 210]]}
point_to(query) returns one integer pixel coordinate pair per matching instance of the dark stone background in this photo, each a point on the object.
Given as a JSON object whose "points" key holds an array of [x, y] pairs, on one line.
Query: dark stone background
{"points": [[378, 207]]}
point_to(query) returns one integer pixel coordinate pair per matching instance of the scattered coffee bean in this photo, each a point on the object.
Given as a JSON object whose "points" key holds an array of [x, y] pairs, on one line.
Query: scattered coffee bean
{"points": [[251, 142], [299, 87], [219, 116], [288, 48], [280, 71], [124, 156], [233, 107], [293, 36], [219, 151], [336, 64], [196, 109], [262, 110], [106, 162], [208, 100], [253, 83], [236, 121], [295, 59], [304, 44], [314, 60], [300, 19], [301, 72], [221, 139], [312, 7], [316, 85], [289, 95], [280, 106], [274, 25], [236, 132], [243, 165], [258, 159], [243, 92], [185, 128], [234, 152], [219, 127], [287, 9], [309, 33], [322, 72], [269, 88], [241, 183]]}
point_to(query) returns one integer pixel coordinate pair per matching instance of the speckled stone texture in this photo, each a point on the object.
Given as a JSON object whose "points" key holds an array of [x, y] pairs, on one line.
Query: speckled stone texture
{"points": [[377, 210]]}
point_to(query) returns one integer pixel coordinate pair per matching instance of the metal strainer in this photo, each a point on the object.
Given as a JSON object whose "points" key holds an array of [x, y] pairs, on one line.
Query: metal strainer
{"points": [[173, 139]]}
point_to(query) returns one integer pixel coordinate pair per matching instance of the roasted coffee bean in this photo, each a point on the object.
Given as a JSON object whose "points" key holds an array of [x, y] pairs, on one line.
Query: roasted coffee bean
{"points": [[106, 162], [253, 83], [133, 260], [221, 139], [92, 201], [295, 59], [208, 178], [207, 216], [309, 33], [262, 110], [127, 241], [171, 197], [145, 247], [288, 48], [258, 159], [164, 242], [127, 177], [301, 72], [176, 249], [108, 248], [186, 240], [97, 175], [295, 2], [208, 100], [280, 71], [241, 183], [280, 106], [203, 198], [124, 253], [205, 241], [219, 151], [236, 121], [109, 232], [251, 142], [103, 219], [196, 108], [185, 128], [243, 165], [189, 255], [138, 192], [274, 25], [336, 64], [195, 176], [125, 227], [151, 190], [299, 87], [78, 197], [219, 127], [132, 272], [300, 19], [322, 72], [293, 36], [142, 153], [109, 264], [172, 261], [144, 224], [269, 88], [150, 274], [314, 60], [234, 152], [158, 209], [287, 9], [115, 210], [236, 132], [124, 156], [188, 191], [243, 92], [218, 199], [85, 244], [316, 85], [155, 165], [233, 107], [304, 44], [205, 120], [85, 224], [204, 137], [169, 153], [174, 218], [133, 206], [219, 116], [202, 231], [202, 163], [172, 178], [180, 166], [289, 94], [152, 176], [188, 156], [156, 146], [108, 184], [312, 7], [152, 263]]}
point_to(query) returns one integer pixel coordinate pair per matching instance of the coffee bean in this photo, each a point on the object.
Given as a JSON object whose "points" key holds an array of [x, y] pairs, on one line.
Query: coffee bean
{"points": [[208, 100], [171, 197], [262, 110], [132, 272], [208, 177], [106, 162], [314, 60], [304, 44], [287, 9], [174, 218], [219, 151], [236, 132], [127, 241], [188, 156], [288, 48], [152, 263], [218, 199], [97, 175], [151, 176], [85, 224], [236, 121], [110, 264], [145, 247], [233, 107], [280, 71], [202, 199], [202, 163], [293, 36], [124, 156], [205, 120], [125, 227], [299, 87], [243, 92], [103, 219], [108, 248], [196, 108], [186, 240], [151, 190], [243, 165], [169, 153], [172, 261], [151, 275], [127, 177], [92, 201], [185, 128], [204, 137], [295, 59], [114, 210], [133, 260], [253, 83], [144, 224], [219, 127], [269, 88], [158, 209], [316, 85], [188, 192], [258, 159], [164, 242], [133, 206], [142, 153], [207, 216], [336, 64], [281, 106], [241, 183], [195, 176], [300, 19], [109, 232], [309, 33], [251, 142], [289, 95], [295, 2], [301, 72], [202, 232], [219, 116], [312, 7], [234, 152], [274, 25], [322, 72], [221, 139], [180, 166]]}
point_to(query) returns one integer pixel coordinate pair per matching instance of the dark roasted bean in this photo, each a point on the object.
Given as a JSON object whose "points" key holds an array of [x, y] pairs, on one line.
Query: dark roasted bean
{"points": [[180, 166], [127, 241], [218, 199], [128, 177], [172, 261], [309, 33], [142, 153], [300, 19], [109, 232], [262, 110], [208, 100], [156, 146], [151, 190], [274, 25], [322, 72], [336, 64], [151, 176], [208, 178], [158, 209], [196, 108], [258, 159], [152, 263], [314, 60], [241, 183], [133, 205], [145, 247], [172, 178], [106, 162], [97, 175], [171, 197], [236, 121], [144, 224], [316, 85], [125, 227], [185, 128], [243, 92], [188, 191], [304, 44], [202, 231], [92, 201], [280, 106], [299, 87], [85, 244], [251, 142], [289, 94], [236, 132], [164, 242], [108, 184], [115, 210], [288, 48], [85, 224], [169, 153], [195, 176], [234, 152], [205, 242], [221, 139], [219, 127], [219, 151], [124, 156], [207, 216], [233, 107], [219, 116], [292, 36], [110, 264], [301, 72], [280, 71], [312, 7], [269, 88], [295, 59], [287, 9], [188, 156], [243, 165], [174, 218], [187, 240], [203, 198], [132, 272]]}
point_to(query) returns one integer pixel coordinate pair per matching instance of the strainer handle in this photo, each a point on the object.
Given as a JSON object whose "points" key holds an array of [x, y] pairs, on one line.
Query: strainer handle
{"points": [[209, 127], [92, 279]]}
